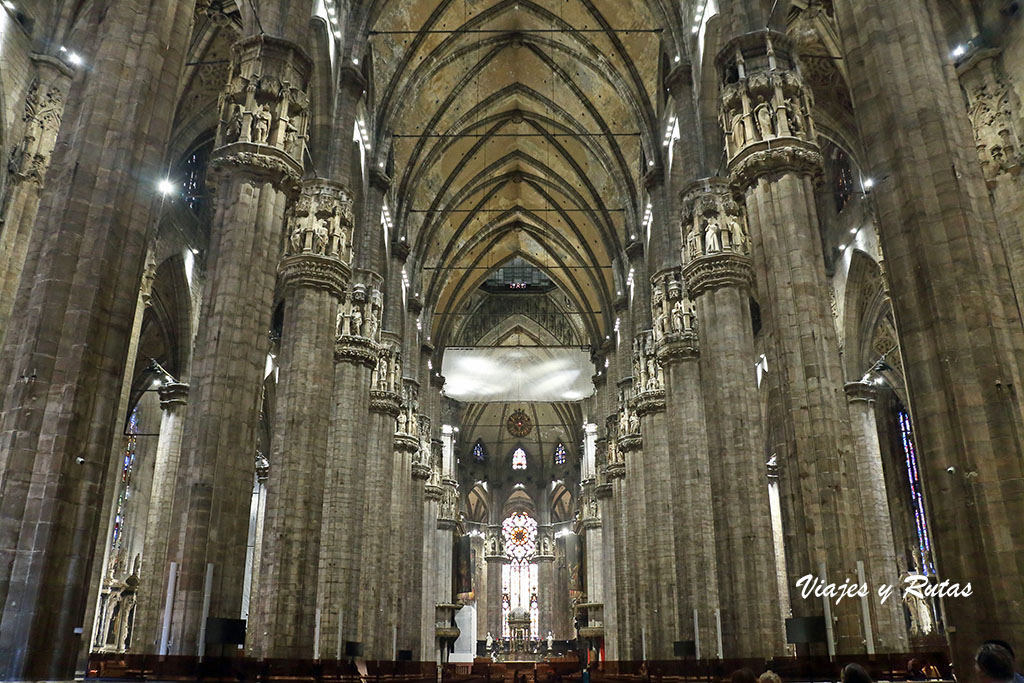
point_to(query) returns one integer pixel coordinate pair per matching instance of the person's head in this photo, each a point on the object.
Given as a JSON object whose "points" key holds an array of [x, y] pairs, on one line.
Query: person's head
{"points": [[743, 676], [994, 662], [1003, 644], [769, 677], [855, 673]]}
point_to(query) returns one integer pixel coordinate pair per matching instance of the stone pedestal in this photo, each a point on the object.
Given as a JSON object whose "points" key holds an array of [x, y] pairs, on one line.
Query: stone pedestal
{"points": [[718, 275]]}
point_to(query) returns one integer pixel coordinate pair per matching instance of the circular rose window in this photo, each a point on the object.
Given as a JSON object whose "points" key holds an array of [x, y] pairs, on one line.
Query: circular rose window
{"points": [[519, 424]]}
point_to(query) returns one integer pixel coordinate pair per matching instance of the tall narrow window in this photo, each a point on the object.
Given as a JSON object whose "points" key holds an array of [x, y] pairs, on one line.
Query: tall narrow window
{"points": [[478, 452], [519, 459], [916, 494], [559, 454], [519, 575], [125, 489]]}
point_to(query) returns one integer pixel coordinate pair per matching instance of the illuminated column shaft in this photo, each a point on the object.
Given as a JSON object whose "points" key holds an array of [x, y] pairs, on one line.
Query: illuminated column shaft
{"points": [[888, 626], [690, 470], [313, 277], [774, 163], [718, 274], [148, 613]]}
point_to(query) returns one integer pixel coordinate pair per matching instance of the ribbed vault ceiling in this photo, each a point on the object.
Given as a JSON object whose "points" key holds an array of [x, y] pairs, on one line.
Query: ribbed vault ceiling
{"points": [[517, 127]]}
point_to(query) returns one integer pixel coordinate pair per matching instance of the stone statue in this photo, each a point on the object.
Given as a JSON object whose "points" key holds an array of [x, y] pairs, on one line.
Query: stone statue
{"points": [[793, 115], [688, 316], [623, 422], [261, 125], [739, 238], [490, 642], [634, 424], [711, 240], [763, 115], [357, 321], [341, 323], [371, 325], [551, 642], [691, 245], [739, 134], [233, 130], [677, 317], [320, 237]]}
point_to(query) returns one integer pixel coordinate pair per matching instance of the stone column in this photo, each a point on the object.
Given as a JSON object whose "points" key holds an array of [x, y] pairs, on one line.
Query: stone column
{"points": [[718, 274], [44, 106], [255, 167], [961, 337], [662, 623], [63, 361], [376, 620], [149, 612], [608, 562], [495, 559], [546, 579], [774, 163], [992, 105], [629, 536], [888, 625], [406, 500], [313, 278], [341, 536], [678, 352]]}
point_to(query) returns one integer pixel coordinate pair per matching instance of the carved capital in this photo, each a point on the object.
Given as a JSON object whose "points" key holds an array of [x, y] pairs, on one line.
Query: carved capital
{"points": [[173, 394], [715, 271], [356, 350], [407, 443], [603, 491], [860, 391], [387, 403], [433, 491], [309, 271], [628, 443], [420, 471], [256, 162], [764, 100], [649, 402], [772, 160], [615, 470], [679, 347]]}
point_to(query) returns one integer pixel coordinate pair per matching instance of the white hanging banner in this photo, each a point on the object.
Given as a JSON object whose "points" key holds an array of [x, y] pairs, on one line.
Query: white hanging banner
{"points": [[499, 374]]}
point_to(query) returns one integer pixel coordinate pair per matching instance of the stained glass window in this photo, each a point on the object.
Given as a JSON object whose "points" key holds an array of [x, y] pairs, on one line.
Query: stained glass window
{"points": [[916, 494], [193, 183], [519, 575], [843, 188], [519, 459], [127, 465], [559, 454], [478, 452]]}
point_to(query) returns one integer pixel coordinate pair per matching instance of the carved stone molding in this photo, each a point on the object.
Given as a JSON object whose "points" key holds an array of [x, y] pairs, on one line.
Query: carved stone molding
{"points": [[991, 107], [603, 491], [628, 443], [649, 402], [44, 108], [386, 402], [320, 222], [432, 491], [672, 312], [356, 350], [679, 347], [407, 443], [708, 273], [785, 156], [711, 220], [615, 470], [314, 272], [260, 163], [173, 393], [860, 391], [420, 471]]}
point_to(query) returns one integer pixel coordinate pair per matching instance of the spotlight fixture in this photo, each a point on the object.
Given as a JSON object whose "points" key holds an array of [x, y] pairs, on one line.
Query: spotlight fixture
{"points": [[165, 187]]}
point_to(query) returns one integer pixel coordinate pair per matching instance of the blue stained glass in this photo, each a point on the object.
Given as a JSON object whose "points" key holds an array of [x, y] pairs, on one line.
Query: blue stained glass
{"points": [[916, 492], [560, 454], [478, 452]]}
